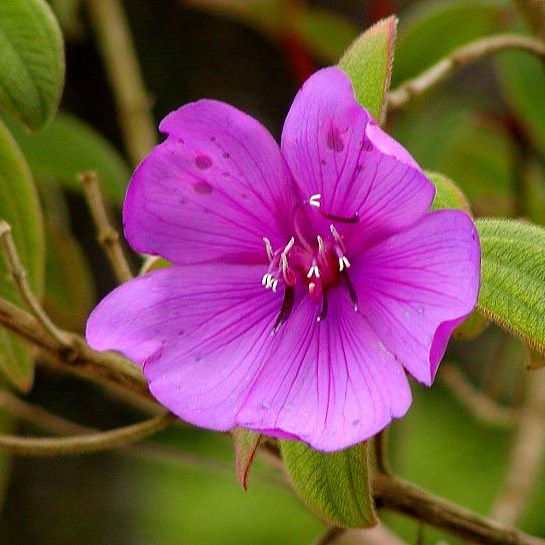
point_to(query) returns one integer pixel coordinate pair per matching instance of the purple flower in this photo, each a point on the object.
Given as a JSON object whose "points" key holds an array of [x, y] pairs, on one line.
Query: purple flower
{"points": [[306, 279]]}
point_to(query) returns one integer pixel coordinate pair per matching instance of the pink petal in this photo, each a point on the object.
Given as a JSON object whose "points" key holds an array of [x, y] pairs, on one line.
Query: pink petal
{"points": [[334, 149], [331, 383], [211, 191], [139, 317], [203, 336], [417, 286]]}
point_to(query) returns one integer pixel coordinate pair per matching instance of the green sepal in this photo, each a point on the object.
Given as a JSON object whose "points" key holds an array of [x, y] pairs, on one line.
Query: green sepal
{"points": [[333, 485], [368, 63]]}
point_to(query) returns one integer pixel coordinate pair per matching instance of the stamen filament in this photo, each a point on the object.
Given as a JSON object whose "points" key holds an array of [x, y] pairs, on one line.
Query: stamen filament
{"points": [[351, 291], [285, 309]]}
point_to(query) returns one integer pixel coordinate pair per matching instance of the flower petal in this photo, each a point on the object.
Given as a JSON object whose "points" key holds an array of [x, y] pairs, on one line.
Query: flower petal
{"points": [[139, 317], [418, 285], [331, 384], [204, 339], [335, 149], [211, 191]]}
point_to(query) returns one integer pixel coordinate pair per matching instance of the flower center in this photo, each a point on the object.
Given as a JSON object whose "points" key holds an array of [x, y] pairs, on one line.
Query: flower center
{"points": [[315, 262]]}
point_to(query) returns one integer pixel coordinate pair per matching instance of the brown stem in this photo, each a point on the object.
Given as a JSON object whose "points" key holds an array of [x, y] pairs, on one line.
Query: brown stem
{"points": [[533, 12], [107, 365], [526, 455], [459, 58], [133, 103], [478, 403], [107, 236], [20, 280], [81, 444], [397, 495]]}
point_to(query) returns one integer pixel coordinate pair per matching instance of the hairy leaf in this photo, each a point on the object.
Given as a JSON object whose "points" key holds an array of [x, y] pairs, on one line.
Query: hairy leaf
{"points": [[368, 62], [334, 485], [513, 277]]}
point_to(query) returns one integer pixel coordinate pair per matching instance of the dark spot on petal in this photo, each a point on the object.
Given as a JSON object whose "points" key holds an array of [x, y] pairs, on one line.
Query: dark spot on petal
{"points": [[334, 140], [244, 196], [181, 332], [355, 422], [198, 357], [226, 174], [367, 145], [203, 188], [324, 162], [226, 155], [203, 162], [183, 201], [212, 139]]}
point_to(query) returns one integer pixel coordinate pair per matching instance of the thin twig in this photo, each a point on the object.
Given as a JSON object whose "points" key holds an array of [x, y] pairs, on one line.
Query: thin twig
{"points": [[330, 536], [39, 417], [533, 12], [459, 58], [527, 454], [20, 280], [107, 365], [107, 236], [476, 402], [81, 444], [395, 494], [133, 103]]}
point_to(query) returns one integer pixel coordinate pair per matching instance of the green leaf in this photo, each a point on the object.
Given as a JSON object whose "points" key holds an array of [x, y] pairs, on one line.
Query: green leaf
{"points": [[522, 79], [433, 29], [368, 62], [265, 15], [32, 67], [68, 147], [447, 194], [326, 34], [69, 285], [334, 485], [19, 206], [513, 277], [246, 444]]}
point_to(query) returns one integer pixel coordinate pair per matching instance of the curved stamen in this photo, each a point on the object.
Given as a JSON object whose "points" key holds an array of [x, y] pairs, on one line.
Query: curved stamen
{"points": [[354, 219], [268, 248], [351, 291], [285, 309]]}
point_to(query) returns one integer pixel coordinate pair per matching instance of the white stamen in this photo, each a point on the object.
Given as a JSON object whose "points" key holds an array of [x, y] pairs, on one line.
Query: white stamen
{"points": [[321, 245], [315, 200], [265, 279], [343, 263], [288, 246], [314, 270], [268, 248], [274, 285]]}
